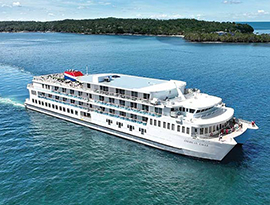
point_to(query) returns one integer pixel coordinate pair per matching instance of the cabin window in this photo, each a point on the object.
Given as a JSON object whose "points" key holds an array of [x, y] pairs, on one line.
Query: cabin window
{"points": [[111, 100], [151, 121], [178, 128], [146, 96], [164, 124], [71, 91], [181, 109], [57, 97], [122, 113], [64, 90], [46, 104], [68, 110], [201, 131], [50, 95], [71, 111], [33, 92], [133, 116], [56, 107], [155, 122], [42, 85], [33, 100], [188, 129], [210, 129], [120, 91], [122, 102], [144, 119], [168, 126], [36, 101], [80, 103], [42, 103], [72, 101], [60, 108], [76, 112], [111, 111], [80, 93], [134, 94], [173, 126], [56, 88], [191, 110], [53, 106], [88, 85], [183, 129], [64, 99], [159, 123], [64, 109], [101, 98], [214, 128], [145, 107], [158, 110], [133, 105]]}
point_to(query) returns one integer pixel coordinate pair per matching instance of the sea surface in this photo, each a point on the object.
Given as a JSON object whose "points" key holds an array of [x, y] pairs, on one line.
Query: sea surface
{"points": [[44, 160], [260, 27]]}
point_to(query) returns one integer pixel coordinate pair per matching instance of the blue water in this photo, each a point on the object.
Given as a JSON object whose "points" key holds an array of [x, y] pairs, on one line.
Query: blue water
{"points": [[44, 160], [260, 27]]}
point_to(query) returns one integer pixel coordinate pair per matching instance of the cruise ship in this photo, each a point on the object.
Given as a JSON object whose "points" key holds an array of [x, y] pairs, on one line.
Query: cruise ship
{"points": [[163, 114]]}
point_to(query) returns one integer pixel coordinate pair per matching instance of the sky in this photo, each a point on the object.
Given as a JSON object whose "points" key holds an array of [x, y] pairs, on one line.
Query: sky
{"points": [[213, 10]]}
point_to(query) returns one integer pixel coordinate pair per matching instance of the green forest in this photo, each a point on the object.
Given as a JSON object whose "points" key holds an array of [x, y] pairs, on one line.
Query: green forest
{"points": [[192, 29]]}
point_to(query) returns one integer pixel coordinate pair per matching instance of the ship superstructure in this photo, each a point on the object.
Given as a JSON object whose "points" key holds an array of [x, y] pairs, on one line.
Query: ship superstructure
{"points": [[159, 113]]}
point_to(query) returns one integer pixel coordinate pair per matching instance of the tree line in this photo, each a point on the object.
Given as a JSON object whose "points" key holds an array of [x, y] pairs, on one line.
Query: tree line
{"points": [[192, 29]]}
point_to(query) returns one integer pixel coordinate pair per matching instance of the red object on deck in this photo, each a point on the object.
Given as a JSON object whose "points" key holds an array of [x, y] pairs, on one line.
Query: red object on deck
{"points": [[253, 123], [74, 73]]}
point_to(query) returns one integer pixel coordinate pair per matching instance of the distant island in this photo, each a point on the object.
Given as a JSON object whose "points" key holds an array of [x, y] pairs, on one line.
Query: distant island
{"points": [[191, 29]]}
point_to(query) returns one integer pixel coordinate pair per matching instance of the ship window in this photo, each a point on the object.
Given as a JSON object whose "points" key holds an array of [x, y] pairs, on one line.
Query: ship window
{"points": [[159, 123], [42, 85], [168, 126], [158, 110], [42, 103], [181, 109], [210, 129], [76, 112], [79, 93], [214, 128], [80, 103], [144, 119], [64, 109], [134, 94], [120, 91], [173, 126], [36, 101], [191, 110], [111, 100], [64, 90], [56, 88], [71, 111], [151, 121], [183, 129], [33, 92], [184, 109], [64, 99], [101, 98], [122, 102], [201, 131], [188, 130], [57, 97], [164, 124], [49, 104], [112, 111], [50, 95], [146, 96], [178, 128], [60, 108], [133, 116], [71, 91], [68, 110], [56, 107], [122, 113], [145, 107], [155, 122], [133, 105], [206, 130], [33, 100], [88, 85], [46, 104], [53, 106]]}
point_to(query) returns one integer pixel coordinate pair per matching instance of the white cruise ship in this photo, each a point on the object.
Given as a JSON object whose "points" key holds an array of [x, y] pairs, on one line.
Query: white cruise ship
{"points": [[158, 113]]}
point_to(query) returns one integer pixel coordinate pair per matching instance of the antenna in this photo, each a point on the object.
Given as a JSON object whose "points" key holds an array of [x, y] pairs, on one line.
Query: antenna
{"points": [[86, 70]]}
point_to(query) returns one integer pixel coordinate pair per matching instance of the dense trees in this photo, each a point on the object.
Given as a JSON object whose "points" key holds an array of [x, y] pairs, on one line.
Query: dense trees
{"points": [[194, 30]]}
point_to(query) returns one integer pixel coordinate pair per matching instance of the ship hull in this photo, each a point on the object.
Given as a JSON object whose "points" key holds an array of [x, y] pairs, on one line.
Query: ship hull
{"points": [[185, 146]]}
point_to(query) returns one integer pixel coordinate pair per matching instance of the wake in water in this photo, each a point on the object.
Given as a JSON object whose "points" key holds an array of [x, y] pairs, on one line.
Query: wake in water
{"points": [[10, 102]]}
